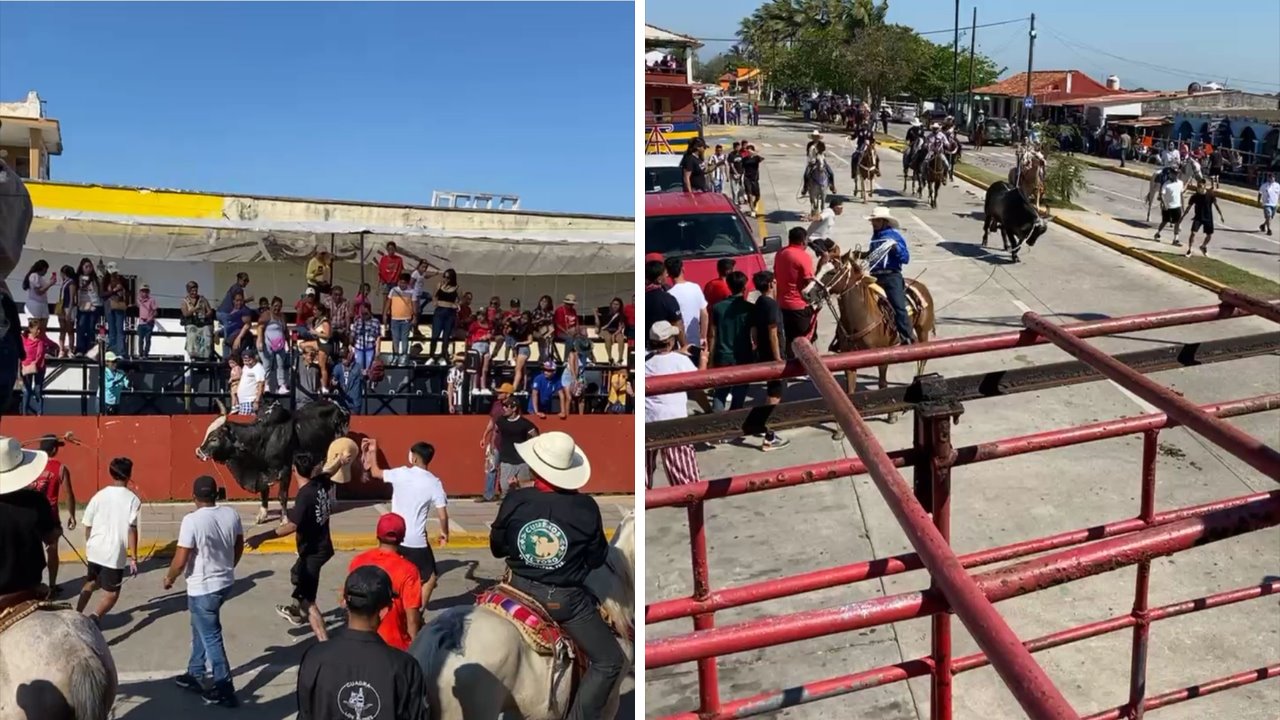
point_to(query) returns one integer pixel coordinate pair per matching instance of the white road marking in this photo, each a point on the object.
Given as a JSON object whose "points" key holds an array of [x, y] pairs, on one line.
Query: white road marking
{"points": [[1020, 305], [382, 508], [1250, 233], [1113, 192], [932, 233]]}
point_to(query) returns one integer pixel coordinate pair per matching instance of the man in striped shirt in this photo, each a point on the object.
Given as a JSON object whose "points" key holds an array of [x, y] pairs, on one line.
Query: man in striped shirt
{"points": [[366, 333]]}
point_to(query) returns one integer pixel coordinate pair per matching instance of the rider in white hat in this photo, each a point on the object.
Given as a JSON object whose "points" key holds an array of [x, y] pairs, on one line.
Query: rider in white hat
{"points": [[552, 537], [887, 254], [27, 525]]}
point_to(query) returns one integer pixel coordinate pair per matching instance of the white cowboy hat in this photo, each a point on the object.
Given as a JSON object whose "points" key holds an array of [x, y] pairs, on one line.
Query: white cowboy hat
{"points": [[915, 122], [18, 467], [557, 459], [882, 213], [815, 133]]}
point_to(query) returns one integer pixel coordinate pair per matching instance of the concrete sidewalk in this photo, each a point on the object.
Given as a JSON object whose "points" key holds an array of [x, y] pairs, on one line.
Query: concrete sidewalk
{"points": [[1144, 171], [352, 525]]}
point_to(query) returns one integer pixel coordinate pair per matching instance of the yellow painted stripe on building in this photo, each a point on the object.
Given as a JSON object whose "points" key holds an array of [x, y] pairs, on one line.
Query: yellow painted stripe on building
{"points": [[125, 201]]}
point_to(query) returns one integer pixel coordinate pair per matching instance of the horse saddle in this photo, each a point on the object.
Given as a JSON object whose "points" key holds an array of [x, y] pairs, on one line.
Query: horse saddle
{"points": [[19, 611], [541, 633], [915, 304]]}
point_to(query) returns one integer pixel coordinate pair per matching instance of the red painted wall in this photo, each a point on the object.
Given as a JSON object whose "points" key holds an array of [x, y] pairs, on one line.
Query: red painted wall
{"points": [[164, 462]]}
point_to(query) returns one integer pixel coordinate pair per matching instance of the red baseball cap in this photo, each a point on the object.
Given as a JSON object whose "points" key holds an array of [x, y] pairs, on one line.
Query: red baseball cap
{"points": [[391, 528], [653, 256]]}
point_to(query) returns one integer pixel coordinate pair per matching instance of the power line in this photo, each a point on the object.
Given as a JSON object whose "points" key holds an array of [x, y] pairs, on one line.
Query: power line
{"points": [[930, 32], [1150, 66]]}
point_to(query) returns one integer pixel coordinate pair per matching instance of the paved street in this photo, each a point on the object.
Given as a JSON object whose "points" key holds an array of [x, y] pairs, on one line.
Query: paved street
{"points": [[149, 634], [1236, 241], [1066, 278]]}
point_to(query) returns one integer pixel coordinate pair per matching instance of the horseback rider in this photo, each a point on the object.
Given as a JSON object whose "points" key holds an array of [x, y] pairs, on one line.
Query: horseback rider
{"points": [[915, 132], [887, 254], [28, 525], [552, 537], [864, 139], [937, 142]]}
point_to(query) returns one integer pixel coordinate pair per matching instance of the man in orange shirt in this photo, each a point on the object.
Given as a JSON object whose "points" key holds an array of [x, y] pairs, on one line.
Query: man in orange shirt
{"points": [[716, 288], [401, 624], [793, 269]]}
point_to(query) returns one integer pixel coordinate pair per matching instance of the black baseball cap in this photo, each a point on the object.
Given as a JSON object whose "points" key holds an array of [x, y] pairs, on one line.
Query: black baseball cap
{"points": [[204, 488], [368, 589]]}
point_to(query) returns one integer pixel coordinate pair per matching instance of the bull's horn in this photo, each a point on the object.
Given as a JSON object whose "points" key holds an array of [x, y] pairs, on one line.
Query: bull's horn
{"points": [[222, 409]]}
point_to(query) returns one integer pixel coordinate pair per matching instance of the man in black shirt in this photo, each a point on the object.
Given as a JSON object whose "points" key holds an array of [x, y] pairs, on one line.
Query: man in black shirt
{"points": [[27, 524], [309, 519], [770, 342], [692, 167], [658, 303], [552, 537], [751, 178], [357, 675], [512, 429]]}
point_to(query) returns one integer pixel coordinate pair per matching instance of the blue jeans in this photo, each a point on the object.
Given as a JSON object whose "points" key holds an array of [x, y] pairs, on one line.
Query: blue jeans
{"points": [[277, 363], [33, 393], [86, 329], [400, 340], [365, 356], [720, 394], [144, 337], [491, 477], [443, 321], [896, 289], [115, 331], [206, 636]]}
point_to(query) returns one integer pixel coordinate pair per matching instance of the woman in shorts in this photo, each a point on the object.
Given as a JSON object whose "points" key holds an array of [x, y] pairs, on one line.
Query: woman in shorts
{"points": [[478, 334]]}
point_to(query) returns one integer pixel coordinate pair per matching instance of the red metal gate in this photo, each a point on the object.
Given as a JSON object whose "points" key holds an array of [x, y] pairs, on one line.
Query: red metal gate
{"points": [[924, 514]]}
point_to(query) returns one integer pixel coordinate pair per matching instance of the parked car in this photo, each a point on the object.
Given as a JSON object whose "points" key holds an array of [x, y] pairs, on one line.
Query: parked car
{"points": [[662, 173], [997, 131], [701, 228]]}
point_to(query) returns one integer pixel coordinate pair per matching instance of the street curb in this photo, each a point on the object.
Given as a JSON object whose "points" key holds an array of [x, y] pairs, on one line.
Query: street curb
{"points": [[342, 542], [1224, 194], [1121, 247]]}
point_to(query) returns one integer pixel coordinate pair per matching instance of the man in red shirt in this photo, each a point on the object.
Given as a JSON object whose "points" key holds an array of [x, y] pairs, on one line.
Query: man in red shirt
{"points": [[390, 266], [402, 623], [566, 322], [793, 269], [55, 478], [716, 288]]}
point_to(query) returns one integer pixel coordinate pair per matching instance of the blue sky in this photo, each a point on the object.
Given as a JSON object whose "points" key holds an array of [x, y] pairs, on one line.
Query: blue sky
{"points": [[1235, 41], [383, 102]]}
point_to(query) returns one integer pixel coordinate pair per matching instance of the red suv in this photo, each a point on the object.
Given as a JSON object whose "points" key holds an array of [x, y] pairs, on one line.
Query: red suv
{"points": [[701, 228]]}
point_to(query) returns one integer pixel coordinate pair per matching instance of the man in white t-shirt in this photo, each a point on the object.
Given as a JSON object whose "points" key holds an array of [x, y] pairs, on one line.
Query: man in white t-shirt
{"points": [[110, 524], [414, 491], [210, 544], [693, 308], [253, 380], [1269, 196], [680, 462], [1171, 206], [824, 223]]}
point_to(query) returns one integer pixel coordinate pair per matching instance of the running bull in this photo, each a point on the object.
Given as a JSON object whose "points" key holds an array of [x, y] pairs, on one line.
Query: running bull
{"points": [[260, 454], [1009, 210]]}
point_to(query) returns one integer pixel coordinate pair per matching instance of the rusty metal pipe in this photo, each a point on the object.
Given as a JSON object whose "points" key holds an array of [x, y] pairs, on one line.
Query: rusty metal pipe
{"points": [[1192, 692], [1250, 304], [1257, 454], [1028, 682], [760, 372]]}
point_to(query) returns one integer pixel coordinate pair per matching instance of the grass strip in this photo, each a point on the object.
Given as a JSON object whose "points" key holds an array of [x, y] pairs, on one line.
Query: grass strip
{"points": [[1225, 273]]}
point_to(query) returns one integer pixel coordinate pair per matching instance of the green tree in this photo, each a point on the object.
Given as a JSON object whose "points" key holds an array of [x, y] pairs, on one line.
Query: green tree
{"points": [[932, 77], [1064, 173]]}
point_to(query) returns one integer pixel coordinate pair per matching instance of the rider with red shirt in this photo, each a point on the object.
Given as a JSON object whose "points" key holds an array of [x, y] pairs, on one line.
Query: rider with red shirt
{"points": [[52, 480], [552, 537]]}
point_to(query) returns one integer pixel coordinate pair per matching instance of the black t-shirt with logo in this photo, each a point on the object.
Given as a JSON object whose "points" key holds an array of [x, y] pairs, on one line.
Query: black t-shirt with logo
{"points": [[27, 520], [767, 313], [693, 164], [310, 513], [555, 538], [510, 432], [357, 675]]}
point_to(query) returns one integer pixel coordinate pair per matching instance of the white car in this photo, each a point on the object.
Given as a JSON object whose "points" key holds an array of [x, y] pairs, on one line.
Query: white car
{"points": [[662, 173]]}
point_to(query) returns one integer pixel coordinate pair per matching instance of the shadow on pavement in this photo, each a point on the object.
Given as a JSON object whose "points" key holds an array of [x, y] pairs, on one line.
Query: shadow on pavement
{"points": [[1251, 251], [784, 216], [1140, 224], [974, 251]]}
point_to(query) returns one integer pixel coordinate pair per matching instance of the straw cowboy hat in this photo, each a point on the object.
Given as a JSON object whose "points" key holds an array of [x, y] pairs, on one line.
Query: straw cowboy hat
{"points": [[18, 467], [882, 213], [557, 459], [342, 453]]}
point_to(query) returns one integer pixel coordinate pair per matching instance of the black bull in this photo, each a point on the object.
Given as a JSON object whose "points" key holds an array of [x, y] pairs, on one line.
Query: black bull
{"points": [[260, 454], [1008, 209]]}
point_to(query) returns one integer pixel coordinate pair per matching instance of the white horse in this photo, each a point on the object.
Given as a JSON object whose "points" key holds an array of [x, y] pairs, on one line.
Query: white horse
{"points": [[55, 665], [1188, 169], [479, 667]]}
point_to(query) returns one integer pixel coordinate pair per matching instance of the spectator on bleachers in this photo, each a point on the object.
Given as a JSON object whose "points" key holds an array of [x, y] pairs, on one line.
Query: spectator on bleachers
{"points": [[365, 295], [619, 390], [574, 377], [88, 306], [546, 389], [566, 321], [544, 327], [366, 333], [390, 268], [264, 304], [114, 383], [339, 318], [478, 341], [273, 346], [629, 311], [320, 272], [253, 383], [321, 342], [400, 315], [303, 311], [235, 368], [146, 319], [115, 295], [37, 346], [508, 324], [241, 285], [37, 286], [197, 317], [612, 328], [465, 315], [236, 329], [522, 331], [309, 387], [421, 295], [454, 385], [445, 316], [348, 379], [66, 310]]}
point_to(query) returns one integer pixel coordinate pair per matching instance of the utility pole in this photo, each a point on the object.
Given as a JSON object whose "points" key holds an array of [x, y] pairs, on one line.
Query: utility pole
{"points": [[973, 39], [1031, 49], [955, 61]]}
